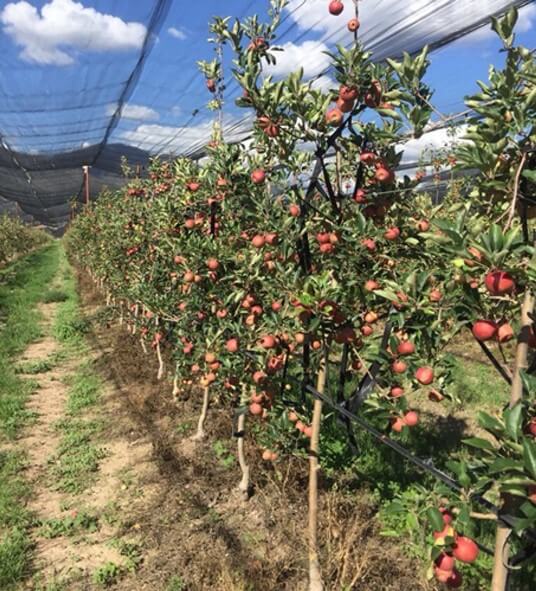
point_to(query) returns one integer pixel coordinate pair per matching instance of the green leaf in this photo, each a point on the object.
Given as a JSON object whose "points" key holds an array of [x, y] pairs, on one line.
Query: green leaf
{"points": [[435, 518], [479, 443], [529, 456], [490, 423], [513, 420], [505, 464]]}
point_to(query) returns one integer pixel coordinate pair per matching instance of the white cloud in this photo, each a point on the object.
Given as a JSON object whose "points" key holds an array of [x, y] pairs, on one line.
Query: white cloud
{"points": [[67, 25], [527, 18], [299, 55], [163, 139], [130, 111], [425, 146], [177, 33]]}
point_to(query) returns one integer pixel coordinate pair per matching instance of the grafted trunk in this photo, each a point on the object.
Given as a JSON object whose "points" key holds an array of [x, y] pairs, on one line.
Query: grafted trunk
{"points": [[502, 547], [315, 576], [200, 434], [244, 485]]}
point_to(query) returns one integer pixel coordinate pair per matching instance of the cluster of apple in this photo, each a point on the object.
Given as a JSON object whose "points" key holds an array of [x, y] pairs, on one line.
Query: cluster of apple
{"points": [[451, 547]]}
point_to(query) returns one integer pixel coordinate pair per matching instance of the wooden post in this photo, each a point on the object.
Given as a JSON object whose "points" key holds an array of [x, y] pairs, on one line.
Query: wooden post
{"points": [[85, 168], [502, 547]]}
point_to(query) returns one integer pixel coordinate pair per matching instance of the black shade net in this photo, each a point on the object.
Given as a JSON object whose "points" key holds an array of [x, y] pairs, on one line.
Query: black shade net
{"points": [[86, 83]]}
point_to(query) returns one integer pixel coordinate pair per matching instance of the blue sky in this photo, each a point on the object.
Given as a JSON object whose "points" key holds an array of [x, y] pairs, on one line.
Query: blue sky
{"points": [[66, 62]]}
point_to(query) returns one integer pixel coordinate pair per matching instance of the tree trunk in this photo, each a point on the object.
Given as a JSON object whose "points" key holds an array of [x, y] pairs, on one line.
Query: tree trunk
{"points": [[244, 483], [502, 547], [160, 374], [315, 576], [201, 423]]}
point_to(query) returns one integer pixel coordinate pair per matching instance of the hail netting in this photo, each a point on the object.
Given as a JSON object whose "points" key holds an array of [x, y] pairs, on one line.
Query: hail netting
{"points": [[114, 86]]}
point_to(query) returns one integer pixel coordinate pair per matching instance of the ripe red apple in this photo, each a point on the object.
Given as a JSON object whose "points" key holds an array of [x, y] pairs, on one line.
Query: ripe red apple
{"points": [[322, 237], [484, 330], [399, 366], [300, 426], [258, 376], [292, 416], [442, 575], [499, 283], [348, 93], [210, 357], [189, 224], [188, 277], [411, 418], [369, 244], [258, 241], [505, 333], [276, 306], [384, 175], [392, 234], [465, 549], [232, 345], [396, 392], [532, 427], [397, 424], [435, 295], [267, 455], [268, 342], [353, 25], [213, 264], [366, 330], [371, 317], [423, 225], [308, 431], [360, 196], [336, 7], [294, 210], [271, 238], [334, 117], [445, 561], [255, 409], [368, 158], [371, 285], [326, 248], [406, 348], [424, 375], [258, 176]]}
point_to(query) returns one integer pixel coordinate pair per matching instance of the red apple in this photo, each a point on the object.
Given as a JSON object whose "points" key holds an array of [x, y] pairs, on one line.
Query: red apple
{"points": [[348, 93], [336, 7], [334, 117], [294, 210], [399, 366], [406, 348], [484, 330], [232, 345], [424, 375], [411, 418], [353, 25], [505, 333], [465, 549], [258, 176], [499, 283], [392, 234]]}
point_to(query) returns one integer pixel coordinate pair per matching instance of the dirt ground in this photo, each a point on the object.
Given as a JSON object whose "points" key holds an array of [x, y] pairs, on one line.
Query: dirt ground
{"points": [[180, 502]]}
